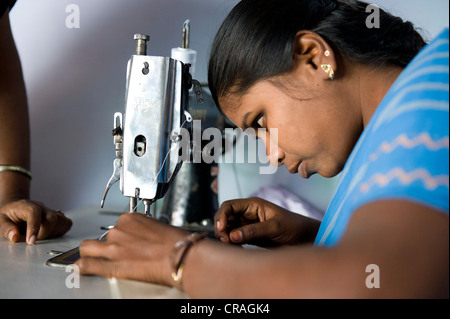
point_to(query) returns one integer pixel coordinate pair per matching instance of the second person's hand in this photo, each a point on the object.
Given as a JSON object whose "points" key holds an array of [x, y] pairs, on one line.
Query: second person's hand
{"points": [[34, 218]]}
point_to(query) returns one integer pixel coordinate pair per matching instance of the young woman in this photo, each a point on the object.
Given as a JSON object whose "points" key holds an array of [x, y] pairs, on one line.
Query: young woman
{"points": [[371, 103]]}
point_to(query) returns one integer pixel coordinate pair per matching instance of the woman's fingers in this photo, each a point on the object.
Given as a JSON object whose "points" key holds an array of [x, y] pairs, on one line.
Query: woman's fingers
{"points": [[53, 224], [8, 229], [41, 222], [234, 214], [249, 233], [225, 215], [94, 248], [17, 213], [138, 248], [33, 218], [97, 266]]}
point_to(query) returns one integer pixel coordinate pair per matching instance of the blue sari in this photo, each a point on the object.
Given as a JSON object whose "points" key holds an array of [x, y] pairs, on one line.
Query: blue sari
{"points": [[403, 152]]}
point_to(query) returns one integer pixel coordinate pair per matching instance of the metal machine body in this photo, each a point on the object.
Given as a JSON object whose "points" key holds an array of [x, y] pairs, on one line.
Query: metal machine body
{"points": [[146, 135]]}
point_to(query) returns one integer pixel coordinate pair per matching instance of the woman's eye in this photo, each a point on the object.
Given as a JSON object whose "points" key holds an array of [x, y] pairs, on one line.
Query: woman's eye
{"points": [[260, 121]]}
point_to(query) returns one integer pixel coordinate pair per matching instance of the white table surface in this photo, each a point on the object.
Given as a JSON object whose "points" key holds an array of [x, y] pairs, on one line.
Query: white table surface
{"points": [[24, 274]]}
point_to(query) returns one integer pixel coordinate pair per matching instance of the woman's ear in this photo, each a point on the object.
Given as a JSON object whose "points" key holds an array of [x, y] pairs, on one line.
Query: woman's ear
{"points": [[312, 56]]}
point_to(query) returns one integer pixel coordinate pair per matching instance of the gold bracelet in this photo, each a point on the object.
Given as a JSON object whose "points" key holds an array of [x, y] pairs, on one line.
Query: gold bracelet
{"points": [[16, 169], [178, 264]]}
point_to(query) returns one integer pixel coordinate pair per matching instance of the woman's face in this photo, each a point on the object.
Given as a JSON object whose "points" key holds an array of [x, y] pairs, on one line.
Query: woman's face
{"points": [[316, 130]]}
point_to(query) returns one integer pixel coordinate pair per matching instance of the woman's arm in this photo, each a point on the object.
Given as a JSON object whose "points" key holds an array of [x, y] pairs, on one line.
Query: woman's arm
{"points": [[15, 207], [407, 241], [14, 123]]}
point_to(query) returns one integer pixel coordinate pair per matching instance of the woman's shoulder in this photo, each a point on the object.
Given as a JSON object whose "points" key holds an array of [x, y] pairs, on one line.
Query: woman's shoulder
{"points": [[405, 150], [421, 89]]}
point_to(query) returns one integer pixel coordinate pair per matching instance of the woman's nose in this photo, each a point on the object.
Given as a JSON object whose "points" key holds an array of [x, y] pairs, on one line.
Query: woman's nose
{"points": [[276, 156], [274, 153]]}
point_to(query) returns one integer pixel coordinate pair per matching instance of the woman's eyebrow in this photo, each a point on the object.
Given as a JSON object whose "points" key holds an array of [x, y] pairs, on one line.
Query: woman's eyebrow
{"points": [[245, 125]]}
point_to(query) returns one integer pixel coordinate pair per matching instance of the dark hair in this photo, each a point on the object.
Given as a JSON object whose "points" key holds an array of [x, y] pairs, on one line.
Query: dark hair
{"points": [[255, 42]]}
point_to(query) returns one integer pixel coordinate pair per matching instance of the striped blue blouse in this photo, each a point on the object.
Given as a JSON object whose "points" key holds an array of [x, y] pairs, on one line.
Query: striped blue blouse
{"points": [[404, 151]]}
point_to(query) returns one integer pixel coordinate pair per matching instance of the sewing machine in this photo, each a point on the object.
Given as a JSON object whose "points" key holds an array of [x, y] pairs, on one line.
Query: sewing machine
{"points": [[160, 97], [147, 162], [149, 138]]}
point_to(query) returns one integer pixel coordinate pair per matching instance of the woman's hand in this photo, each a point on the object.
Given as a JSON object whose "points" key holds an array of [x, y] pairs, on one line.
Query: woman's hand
{"points": [[137, 248], [259, 222], [40, 222]]}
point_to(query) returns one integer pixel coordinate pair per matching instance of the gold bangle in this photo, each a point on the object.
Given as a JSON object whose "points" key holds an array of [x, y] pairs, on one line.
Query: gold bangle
{"points": [[16, 169], [179, 274], [178, 264]]}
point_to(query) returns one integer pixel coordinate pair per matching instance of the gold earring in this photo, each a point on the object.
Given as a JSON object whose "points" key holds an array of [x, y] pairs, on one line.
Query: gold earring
{"points": [[328, 69]]}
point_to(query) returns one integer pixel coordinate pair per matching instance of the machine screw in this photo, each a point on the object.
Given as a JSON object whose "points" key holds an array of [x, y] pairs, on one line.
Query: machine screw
{"points": [[141, 43]]}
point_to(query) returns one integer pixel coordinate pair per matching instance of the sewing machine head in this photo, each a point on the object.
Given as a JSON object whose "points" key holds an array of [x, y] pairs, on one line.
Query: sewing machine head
{"points": [[146, 135]]}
